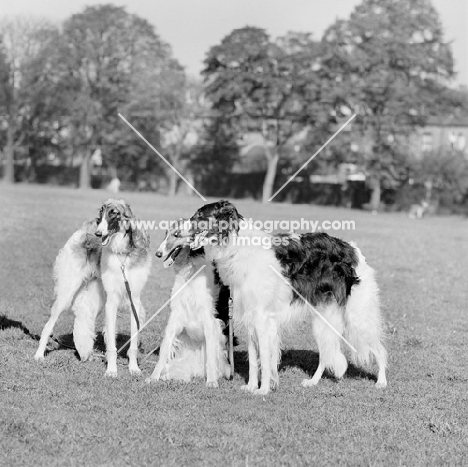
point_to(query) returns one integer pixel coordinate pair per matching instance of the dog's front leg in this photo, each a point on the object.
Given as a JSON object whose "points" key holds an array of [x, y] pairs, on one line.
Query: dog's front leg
{"points": [[211, 353], [111, 349], [252, 385], [265, 353], [173, 329], [133, 350]]}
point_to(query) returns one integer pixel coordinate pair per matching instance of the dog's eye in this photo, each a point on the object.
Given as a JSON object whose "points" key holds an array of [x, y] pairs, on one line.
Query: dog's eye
{"points": [[177, 234]]}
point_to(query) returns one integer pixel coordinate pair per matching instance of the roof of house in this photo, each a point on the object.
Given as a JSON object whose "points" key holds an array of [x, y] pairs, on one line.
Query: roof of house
{"points": [[448, 120]]}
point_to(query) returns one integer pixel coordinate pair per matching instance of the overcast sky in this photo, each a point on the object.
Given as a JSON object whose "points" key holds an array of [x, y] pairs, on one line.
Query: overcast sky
{"points": [[192, 26]]}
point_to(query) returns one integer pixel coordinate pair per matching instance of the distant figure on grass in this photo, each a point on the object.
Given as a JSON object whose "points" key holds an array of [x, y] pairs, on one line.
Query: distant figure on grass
{"points": [[114, 185], [418, 211]]}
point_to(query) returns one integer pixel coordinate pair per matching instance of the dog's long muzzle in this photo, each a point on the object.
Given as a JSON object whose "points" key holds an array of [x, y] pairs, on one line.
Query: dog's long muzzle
{"points": [[104, 236], [171, 257]]}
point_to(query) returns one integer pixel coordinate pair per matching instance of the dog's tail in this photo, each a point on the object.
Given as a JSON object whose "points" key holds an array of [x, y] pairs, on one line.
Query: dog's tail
{"points": [[88, 303], [363, 321]]}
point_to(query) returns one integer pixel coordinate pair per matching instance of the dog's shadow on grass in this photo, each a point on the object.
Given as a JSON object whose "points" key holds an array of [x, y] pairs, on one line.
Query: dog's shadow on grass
{"points": [[7, 323], [305, 360], [65, 342]]}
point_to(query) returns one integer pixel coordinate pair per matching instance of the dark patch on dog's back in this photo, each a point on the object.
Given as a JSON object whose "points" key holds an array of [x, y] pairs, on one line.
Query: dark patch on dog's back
{"points": [[320, 267]]}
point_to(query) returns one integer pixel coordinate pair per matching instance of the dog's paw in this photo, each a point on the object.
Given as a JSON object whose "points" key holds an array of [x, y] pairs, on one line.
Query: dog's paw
{"points": [[111, 374], [150, 380], [307, 383], [135, 371], [381, 384], [261, 391], [39, 358], [86, 357], [249, 388], [212, 384]]}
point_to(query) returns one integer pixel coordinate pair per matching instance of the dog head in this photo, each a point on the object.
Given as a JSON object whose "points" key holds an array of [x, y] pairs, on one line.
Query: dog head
{"points": [[175, 247], [115, 216], [214, 223]]}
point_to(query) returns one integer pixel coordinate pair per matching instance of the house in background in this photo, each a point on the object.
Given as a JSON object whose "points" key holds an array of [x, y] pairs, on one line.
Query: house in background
{"points": [[441, 134]]}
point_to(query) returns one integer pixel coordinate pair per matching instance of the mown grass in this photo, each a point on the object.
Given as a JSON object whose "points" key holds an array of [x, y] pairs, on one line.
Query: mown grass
{"points": [[65, 412]]}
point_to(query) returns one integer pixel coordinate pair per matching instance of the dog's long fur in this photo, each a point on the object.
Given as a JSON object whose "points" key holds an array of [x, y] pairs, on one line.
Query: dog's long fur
{"points": [[331, 274], [88, 276], [193, 343]]}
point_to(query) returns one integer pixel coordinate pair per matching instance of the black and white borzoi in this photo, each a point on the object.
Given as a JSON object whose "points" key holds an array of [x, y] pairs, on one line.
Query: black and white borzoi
{"points": [[89, 275], [193, 343], [330, 274]]}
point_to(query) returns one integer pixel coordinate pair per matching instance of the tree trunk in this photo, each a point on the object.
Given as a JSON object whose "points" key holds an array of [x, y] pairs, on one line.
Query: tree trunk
{"points": [[32, 165], [9, 174], [85, 171], [272, 161], [187, 190], [172, 188], [375, 194]]}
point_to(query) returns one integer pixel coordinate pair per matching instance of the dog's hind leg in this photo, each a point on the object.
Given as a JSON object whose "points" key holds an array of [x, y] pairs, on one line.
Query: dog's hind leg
{"points": [[364, 324], [57, 308], [328, 341], [88, 304], [133, 349], [65, 291], [380, 355]]}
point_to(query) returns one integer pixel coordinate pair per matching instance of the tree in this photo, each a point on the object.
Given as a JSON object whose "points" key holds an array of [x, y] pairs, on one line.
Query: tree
{"points": [[108, 55], [22, 40], [175, 109], [266, 87], [44, 119], [184, 132], [386, 63]]}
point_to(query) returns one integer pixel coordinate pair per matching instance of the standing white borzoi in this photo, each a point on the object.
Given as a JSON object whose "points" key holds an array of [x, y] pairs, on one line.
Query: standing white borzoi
{"points": [[193, 343], [330, 274], [88, 274]]}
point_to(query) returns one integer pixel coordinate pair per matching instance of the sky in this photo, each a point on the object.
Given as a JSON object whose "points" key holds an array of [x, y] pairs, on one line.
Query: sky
{"points": [[191, 27]]}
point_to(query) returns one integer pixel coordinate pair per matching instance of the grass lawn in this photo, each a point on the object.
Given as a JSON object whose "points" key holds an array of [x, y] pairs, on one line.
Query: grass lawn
{"points": [[65, 412]]}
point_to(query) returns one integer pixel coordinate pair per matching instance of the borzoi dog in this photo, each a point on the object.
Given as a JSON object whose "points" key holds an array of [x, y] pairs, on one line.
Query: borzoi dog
{"points": [[91, 270], [193, 343], [269, 275]]}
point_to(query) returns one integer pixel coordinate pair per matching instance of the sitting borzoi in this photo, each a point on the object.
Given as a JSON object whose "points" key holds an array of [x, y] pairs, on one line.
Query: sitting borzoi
{"points": [[193, 343], [272, 277], [92, 270]]}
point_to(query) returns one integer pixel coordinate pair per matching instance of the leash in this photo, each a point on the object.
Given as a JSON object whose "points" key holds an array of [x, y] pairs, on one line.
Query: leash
{"points": [[231, 336], [129, 292]]}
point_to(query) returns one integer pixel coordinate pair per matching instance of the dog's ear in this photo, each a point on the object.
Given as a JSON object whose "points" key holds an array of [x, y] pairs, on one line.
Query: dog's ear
{"points": [[139, 237], [90, 241], [127, 212], [100, 213], [227, 215]]}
